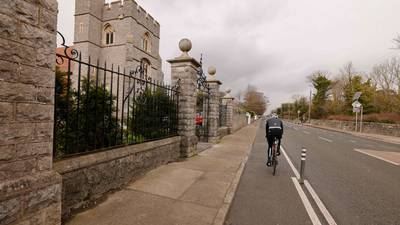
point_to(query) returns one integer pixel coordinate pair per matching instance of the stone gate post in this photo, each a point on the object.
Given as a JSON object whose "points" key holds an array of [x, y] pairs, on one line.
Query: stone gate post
{"points": [[30, 191], [184, 69], [213, 116], [228, 100]]}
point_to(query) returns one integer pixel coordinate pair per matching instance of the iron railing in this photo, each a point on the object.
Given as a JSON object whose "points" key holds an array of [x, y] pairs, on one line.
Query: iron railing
{"points": [[202, 104], [100, 106]]}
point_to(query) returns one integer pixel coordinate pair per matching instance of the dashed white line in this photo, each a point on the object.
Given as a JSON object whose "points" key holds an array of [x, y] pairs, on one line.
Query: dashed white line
{"points": [[325, 139], [310, 189], [306, 132], [353, 141], [311, 213]]}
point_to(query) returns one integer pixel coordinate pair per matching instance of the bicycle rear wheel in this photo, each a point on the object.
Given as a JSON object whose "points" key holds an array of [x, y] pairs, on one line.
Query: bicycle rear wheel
{"points": [[274, 163]]}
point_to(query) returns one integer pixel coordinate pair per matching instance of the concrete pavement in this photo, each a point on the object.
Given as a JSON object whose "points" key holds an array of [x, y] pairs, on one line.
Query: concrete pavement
{"points": [[197, 191]]}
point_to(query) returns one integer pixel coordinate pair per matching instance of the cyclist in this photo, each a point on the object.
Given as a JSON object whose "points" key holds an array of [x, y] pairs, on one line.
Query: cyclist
{"points": [[273, 129]]}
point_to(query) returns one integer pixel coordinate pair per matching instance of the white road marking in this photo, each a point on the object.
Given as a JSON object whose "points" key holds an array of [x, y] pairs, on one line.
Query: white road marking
{"points": [[296, 173], [306, 132], [325, 139], [321, 205], [310, 189], [378, 157], [311, 213], [353, 141]]}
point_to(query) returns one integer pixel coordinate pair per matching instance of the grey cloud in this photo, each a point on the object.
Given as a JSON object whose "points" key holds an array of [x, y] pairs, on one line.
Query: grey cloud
{"points": [[273, 44]]}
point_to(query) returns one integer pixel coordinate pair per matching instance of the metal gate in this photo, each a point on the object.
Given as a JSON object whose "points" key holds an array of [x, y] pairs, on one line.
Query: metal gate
{"points": [[202, 105]]}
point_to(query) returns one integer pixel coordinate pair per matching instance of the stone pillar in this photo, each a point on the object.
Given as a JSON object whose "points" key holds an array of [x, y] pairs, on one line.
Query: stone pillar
{"points": [[228, 100], [184, 69], [30, 191], [213, 117]]}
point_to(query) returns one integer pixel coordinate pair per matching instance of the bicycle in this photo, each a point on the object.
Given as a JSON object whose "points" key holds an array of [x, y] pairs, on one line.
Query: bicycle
{"points": [[274, 161]]}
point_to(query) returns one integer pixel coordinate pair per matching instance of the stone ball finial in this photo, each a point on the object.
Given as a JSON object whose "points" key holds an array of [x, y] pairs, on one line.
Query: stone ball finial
{"points": [[212, 70], [185, 45], [228, 90]]}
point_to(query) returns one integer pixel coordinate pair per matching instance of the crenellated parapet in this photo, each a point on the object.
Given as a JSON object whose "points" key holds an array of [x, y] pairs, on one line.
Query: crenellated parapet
{"points": [[131, 9]]}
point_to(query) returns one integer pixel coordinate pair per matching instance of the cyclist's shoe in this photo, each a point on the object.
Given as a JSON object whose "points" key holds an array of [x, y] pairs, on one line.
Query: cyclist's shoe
{"points": [[269, 163], [278, 152]]}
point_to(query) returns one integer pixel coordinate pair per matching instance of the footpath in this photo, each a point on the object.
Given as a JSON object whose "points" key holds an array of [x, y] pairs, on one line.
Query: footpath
{"points": [[197, 191], [378, 137]]}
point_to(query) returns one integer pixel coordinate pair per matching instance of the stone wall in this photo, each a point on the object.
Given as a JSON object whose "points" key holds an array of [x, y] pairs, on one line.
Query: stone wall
{"points": [[87, 179], [222, 132], [372, 128], [239, 118], [30, 192]]}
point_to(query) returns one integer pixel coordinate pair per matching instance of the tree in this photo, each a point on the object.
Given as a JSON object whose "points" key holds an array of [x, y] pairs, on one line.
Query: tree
{"points": [[301, 106], [154, 115], [255, 101], [386, 78], [322, 85]]}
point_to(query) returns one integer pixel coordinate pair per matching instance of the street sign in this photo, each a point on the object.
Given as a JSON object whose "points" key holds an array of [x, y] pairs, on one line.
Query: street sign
{"points": [[357, 96], [356, 110], [356, 104]]}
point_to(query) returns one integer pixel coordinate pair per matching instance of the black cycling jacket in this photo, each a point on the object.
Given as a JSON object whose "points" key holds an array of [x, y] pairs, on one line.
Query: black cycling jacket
{"points": [[275, 126]]}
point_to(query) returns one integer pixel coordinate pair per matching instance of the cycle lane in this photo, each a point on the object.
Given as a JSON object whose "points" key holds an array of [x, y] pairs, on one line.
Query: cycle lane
{"points": [[262, 198]]}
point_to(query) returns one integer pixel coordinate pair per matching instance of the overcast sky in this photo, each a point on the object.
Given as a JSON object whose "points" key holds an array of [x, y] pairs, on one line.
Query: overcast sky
{"points": [[272, 44]]}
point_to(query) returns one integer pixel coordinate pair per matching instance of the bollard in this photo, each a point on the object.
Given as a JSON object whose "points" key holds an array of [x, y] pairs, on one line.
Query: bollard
{"points": [[302, 165]]}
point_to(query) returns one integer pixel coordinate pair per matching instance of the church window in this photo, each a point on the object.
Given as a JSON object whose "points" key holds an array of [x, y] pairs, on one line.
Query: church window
{"points": [[109, 35], [146, 42], [145, 64], [81, 27]]}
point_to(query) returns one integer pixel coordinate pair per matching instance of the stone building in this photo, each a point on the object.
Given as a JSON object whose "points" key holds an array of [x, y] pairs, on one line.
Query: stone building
{"points": [[120, 33]]}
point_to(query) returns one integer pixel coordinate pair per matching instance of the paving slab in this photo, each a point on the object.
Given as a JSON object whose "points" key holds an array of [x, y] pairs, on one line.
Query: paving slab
{"points": [[169, 181], [196, 191]]}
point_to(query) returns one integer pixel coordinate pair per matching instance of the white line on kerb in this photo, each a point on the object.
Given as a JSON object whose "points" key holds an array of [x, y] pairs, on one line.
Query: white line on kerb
{"points": [[310, 189], [325, 139], [375, 156], [311, 213]]}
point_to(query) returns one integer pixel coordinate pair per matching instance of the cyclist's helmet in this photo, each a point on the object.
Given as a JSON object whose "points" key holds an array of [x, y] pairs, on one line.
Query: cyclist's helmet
{"points": [[274, 115]]}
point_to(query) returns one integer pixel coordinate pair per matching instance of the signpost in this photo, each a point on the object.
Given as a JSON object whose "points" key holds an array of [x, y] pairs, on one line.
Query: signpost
{"points": [[357, 108], [298, 115]]}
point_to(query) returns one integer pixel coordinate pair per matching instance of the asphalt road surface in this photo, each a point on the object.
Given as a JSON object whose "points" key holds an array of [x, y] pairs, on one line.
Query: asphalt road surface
{"points": [[349, 181]]}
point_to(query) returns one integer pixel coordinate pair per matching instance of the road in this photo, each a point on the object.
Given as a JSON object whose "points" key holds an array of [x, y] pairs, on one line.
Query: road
{"points": [[349, 180]]}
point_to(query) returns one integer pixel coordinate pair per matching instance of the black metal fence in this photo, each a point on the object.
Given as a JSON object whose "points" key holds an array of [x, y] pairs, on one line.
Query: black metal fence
{"points": [[202, 104], [100, 106]]}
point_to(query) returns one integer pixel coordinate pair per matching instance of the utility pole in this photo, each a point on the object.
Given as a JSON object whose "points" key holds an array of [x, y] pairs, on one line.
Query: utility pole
{"points": [[309, 109]]}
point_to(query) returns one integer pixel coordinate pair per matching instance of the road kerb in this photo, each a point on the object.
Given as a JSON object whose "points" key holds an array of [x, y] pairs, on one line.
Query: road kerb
{"points": [[223, 211]]}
